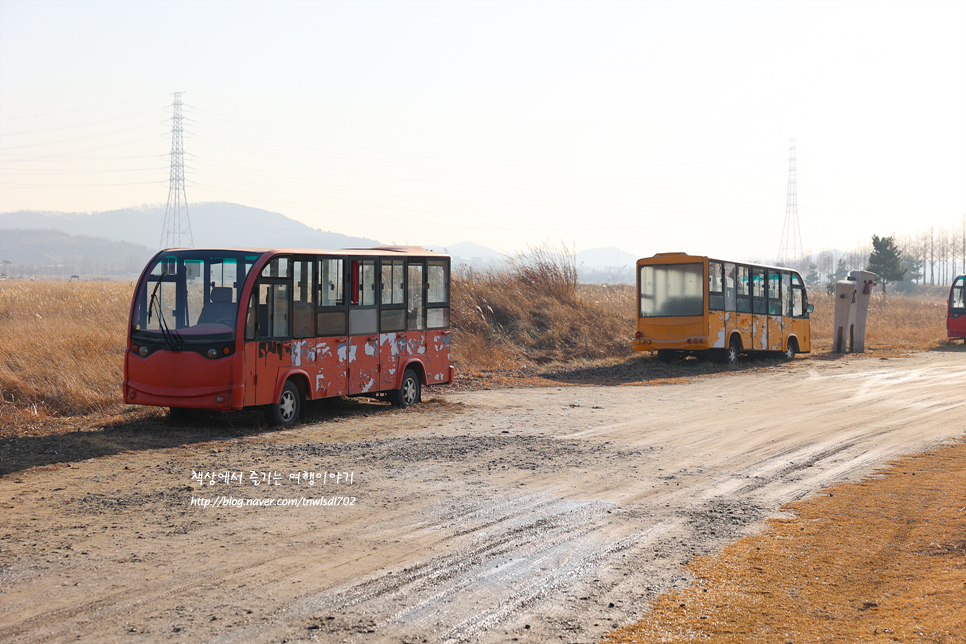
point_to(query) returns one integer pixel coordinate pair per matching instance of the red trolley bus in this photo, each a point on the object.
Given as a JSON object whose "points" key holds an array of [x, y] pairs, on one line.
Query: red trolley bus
{"points": [[956, 313], [225, 329]]}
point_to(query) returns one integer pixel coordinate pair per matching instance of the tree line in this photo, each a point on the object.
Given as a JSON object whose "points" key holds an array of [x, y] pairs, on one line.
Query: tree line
{"points": [[933, 256]]}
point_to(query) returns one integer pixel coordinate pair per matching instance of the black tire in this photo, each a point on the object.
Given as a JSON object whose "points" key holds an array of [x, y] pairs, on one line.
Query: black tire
{"points": [[288, 408], [727, 356], [790, 349], [409, 391]]}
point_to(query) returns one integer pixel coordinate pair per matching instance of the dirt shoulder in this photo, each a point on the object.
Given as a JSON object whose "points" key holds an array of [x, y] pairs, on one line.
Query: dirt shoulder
{"points": [[881, 560]]}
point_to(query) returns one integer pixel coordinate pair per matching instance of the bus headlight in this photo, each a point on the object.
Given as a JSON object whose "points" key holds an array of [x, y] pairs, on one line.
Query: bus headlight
{"points": [[143, 351], [212, 353]]}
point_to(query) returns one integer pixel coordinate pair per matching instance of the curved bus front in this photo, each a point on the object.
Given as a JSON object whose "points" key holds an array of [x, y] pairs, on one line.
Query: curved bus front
{"points": [[691, 304], [226, 329], [956, 311]]}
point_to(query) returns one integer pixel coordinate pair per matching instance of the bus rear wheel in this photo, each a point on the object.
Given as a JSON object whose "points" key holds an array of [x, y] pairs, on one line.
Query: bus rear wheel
{"points": [[409, 391], [286, 411], [727, 356]]}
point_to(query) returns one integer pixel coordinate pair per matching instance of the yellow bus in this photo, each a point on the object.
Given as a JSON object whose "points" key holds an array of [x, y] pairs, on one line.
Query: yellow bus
{"points": [[691, 305]]}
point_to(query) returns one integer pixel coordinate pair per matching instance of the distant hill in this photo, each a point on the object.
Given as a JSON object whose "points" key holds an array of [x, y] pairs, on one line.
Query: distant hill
{"points": [[55, 254], [212, 224]]}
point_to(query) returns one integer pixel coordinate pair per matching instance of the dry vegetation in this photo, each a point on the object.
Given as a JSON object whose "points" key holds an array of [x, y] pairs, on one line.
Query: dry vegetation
{"points": [[61, 349], [61, 344]]}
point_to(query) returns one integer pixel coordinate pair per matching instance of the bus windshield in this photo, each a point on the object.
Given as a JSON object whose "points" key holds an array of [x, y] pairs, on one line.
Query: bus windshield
{"points": [[672, 290], [191, 297]]}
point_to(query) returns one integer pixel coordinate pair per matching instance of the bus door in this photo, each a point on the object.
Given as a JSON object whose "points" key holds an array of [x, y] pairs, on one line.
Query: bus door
{"points": [[304, 293], [268, 331], [363, 349], [759, 304], [437, 321], [392, 320], [331, 342], [798, 313], [774, 340]]}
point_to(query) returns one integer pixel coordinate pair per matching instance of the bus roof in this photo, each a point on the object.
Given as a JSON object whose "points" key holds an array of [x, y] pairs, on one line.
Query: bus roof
{"points": [[674, 258], [374, 251]]}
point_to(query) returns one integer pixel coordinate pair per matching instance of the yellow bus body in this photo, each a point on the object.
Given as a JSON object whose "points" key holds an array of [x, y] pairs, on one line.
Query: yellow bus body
{"points": [[765, 308]]}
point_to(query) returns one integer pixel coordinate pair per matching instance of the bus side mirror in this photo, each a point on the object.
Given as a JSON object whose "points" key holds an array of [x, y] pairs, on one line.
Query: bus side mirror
{"points": [[811, 307]]}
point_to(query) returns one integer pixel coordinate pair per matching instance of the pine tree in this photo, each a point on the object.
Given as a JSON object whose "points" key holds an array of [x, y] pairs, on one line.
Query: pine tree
{"points": [[841, 272], [886, 261]]}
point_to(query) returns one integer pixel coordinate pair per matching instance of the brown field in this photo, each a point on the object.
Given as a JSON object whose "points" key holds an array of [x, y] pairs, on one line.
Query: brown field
{"points": [[62, 343]]}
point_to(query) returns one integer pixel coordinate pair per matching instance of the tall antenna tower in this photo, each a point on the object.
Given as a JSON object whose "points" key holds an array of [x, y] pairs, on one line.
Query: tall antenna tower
{"points": [[791, 246], [176, 232]]}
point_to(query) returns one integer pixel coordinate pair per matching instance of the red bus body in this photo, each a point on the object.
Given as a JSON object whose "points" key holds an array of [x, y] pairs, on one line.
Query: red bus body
{"points": [[956, 312], [226, 329]]}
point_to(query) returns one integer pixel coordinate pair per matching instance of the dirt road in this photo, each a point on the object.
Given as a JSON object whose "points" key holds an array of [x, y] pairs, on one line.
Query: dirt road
{"points": [[543, 514]]}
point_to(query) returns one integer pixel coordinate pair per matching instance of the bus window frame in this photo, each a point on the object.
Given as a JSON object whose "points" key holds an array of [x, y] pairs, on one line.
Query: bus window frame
{"points": [[323, 330], [716, 296], [395, 321], [759, 299], [312, 291], [273, 266], [437, 305], [362, 323]]}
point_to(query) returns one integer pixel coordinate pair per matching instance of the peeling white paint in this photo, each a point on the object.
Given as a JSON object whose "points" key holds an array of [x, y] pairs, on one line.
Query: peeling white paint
{"points": [[322, 349], [719, 341], [369, 385], [318, 383], [342, 352], [370, 348]]}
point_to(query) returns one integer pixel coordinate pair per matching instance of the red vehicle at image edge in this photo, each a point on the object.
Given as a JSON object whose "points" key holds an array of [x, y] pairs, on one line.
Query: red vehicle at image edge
{"points": [[956, 314], [226, 329]]}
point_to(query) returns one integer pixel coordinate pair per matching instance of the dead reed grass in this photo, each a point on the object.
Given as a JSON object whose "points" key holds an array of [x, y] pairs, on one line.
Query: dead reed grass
{"points": [[895, 322], [61, 348], [536, 313]]}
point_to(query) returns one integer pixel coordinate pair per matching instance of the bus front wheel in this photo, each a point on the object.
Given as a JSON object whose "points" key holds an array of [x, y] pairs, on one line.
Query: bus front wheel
{"points": [[408, 392], [790, 349], [288, 407]]}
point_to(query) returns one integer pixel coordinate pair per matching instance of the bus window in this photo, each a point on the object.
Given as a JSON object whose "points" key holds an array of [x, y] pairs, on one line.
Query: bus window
{"points": [[774, 293], [437, 295], [392, 313], [786, 294], [958, 299], [415, 305], [759, 303], [715, 286], [363, 320], [729, 286], [331, 316], [798, 296], [273, 307], [303, 299], [672, 290], [744, 289]]}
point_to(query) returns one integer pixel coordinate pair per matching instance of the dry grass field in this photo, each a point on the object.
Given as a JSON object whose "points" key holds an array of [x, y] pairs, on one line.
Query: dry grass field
{"points": [[61, 344]]}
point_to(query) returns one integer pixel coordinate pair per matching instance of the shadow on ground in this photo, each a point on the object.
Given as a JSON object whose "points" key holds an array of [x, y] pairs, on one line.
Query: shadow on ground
{"points": [[647, 369], [138, 428]]}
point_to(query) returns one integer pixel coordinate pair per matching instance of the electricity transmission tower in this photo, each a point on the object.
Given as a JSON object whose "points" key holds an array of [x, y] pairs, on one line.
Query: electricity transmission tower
{"points": [[791, 246], [176, 232]]}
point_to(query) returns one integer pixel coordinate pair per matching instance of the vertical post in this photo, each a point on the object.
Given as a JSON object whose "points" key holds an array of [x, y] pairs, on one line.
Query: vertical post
{"points": [[842, 333], [865, 281]]}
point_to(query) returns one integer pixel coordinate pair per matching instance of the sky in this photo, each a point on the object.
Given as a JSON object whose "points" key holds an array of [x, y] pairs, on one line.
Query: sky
{"points": [[650, 126]]}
